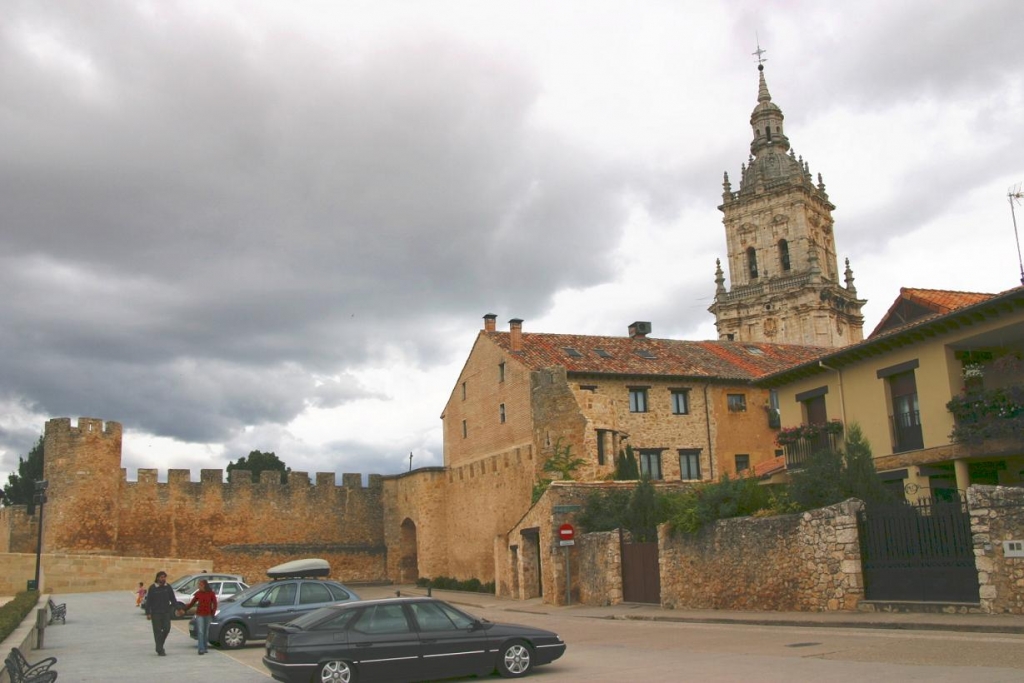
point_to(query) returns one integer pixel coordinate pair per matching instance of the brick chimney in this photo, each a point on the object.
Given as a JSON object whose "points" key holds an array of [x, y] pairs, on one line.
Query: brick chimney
{"points": [[639, 330], [515, 328], [489, 322]]}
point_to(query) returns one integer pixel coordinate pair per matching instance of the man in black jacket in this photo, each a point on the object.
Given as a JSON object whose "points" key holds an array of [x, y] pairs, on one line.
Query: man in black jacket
{"points": [[160, 602]]}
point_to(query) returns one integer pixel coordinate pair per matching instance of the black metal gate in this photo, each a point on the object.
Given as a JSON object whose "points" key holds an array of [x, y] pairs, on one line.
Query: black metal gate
{"points": [[641, 581], [918, 552]]}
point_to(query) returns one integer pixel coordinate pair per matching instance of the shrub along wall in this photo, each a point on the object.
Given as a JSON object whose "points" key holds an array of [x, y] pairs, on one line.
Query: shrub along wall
{"points": [[804, 562]]}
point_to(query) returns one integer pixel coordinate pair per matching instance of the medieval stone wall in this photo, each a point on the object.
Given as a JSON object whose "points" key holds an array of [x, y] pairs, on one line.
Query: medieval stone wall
{"points": [[19, 531], [997, 515], [67, 573], [806, 562], [415, 524], [243, 526], [600, 568]]}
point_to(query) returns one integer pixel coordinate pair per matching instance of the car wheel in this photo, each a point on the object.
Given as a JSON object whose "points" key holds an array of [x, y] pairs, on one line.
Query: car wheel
{"points": [[514, 660], [233, 636], [337, 672]]}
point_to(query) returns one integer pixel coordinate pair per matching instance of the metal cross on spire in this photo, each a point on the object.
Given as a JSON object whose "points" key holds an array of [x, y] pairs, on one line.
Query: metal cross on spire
{"points": [[759, 52]]}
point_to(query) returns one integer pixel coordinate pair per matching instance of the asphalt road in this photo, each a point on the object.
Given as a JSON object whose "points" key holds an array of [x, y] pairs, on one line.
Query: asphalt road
{"points": [[606, 650]]}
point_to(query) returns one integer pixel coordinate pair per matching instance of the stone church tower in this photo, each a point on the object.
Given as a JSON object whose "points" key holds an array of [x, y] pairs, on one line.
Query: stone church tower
{"points": [[785, 280]]}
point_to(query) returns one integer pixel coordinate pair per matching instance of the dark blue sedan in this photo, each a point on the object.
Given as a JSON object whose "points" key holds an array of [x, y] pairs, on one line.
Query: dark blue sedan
{"points": [[402, 639]]}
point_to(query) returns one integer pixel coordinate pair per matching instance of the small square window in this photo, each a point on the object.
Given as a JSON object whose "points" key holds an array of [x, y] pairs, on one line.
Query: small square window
{"points": [[638, 400], [680, 401], [737, 403], [501, 413], [742, 462]]}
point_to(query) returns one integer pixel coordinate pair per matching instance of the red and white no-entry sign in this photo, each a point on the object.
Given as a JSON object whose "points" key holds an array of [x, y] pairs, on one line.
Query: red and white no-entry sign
{"points": [[566, 532]]}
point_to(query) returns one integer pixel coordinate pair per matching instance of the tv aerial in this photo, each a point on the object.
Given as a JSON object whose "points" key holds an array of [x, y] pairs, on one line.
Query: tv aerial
{"points": [[1013, 195]]}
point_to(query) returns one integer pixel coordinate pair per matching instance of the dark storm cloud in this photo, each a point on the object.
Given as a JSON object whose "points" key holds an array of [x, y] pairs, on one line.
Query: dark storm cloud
{"points": [[197, 221]]}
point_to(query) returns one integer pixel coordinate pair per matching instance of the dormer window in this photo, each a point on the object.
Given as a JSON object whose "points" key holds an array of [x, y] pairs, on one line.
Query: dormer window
{"points": [[752, 263]]}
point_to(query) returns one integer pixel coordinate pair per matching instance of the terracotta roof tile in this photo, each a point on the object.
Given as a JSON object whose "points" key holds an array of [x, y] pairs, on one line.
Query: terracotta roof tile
{"points": [[650, 356], [769, 467], [914, 305]]}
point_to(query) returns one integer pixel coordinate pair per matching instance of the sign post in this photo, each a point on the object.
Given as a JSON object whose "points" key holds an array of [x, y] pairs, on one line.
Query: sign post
{"points": [[566, 538]]}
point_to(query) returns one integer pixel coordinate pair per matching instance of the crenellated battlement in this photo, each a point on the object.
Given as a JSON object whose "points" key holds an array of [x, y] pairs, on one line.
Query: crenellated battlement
{"points": [[215, 478], [61, 426]]}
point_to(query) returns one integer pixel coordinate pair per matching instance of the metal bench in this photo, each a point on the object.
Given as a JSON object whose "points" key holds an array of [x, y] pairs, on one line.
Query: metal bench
{"points": [[57, 611], [21, 671]]}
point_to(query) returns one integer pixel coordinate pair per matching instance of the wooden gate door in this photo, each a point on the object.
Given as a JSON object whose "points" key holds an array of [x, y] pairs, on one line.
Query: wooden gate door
{"points": [[641, 581], [920, 552]]}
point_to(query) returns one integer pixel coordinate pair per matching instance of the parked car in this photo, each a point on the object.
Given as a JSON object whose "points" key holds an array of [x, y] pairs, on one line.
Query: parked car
{"points": [[246, 615], [402, 639], [224, 588], [189, 584]]}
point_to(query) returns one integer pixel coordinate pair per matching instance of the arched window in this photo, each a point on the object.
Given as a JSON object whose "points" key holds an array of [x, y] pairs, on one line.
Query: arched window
{"points": [[768, 132], [752, 262], [784, 254]]}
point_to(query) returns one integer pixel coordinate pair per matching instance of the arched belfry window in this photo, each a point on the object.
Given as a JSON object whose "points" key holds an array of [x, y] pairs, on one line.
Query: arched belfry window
{"points": [[768, 132], [752, 262], [784, 254]]}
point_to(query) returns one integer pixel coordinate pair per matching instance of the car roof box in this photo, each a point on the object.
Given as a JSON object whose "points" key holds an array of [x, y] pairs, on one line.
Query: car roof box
{"points": [[300, 569]]}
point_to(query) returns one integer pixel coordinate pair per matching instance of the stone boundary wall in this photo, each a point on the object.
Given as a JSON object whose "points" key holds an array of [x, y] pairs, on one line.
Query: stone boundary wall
{"points": [[997, 515], [64, 573], [599, 570], [808, 562]]}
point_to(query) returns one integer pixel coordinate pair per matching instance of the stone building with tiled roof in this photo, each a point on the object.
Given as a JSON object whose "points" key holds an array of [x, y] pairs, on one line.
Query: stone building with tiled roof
{"points": [[687, 409]]}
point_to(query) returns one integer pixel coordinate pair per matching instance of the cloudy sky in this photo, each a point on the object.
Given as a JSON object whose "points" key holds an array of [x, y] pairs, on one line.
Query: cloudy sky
{"points": [[240, 225]]}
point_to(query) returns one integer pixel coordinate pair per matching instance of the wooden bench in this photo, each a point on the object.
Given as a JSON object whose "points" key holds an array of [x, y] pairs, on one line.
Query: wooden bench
{"points": [[58, 611], [21, 671]]}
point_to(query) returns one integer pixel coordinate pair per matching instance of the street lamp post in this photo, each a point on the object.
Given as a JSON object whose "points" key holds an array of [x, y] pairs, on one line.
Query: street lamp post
{"points": [[40, 499]]}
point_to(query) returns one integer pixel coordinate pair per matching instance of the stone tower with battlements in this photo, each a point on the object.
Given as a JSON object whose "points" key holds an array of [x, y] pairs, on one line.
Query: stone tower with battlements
{"points": [[786, 286]]}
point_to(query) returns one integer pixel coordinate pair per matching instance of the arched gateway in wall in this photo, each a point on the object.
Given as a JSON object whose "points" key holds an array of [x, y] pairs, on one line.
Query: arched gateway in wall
{"points": [[408, 564]]}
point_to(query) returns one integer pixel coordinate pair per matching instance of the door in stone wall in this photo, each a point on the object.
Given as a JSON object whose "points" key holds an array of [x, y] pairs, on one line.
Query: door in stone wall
{"points": [[641, 581], [921, 552]]}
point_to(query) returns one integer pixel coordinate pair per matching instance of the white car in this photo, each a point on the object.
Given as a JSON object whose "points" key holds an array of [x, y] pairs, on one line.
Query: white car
{"points": [[222, 587]]}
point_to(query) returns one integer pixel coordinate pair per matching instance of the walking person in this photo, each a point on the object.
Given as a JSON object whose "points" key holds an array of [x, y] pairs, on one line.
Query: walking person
{"points": [[160, 602], [205, 601], [140, 593]]}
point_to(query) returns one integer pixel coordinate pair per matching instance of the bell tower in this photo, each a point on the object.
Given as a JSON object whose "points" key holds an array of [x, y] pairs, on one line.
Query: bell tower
{"points": [[783, 272]]}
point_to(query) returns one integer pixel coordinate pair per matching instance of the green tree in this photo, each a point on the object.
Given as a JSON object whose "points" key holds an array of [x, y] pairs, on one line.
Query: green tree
{"points": [[830, 477], [644, 513], [562, 461], [21, 485], [626, 467], [258, 461]]}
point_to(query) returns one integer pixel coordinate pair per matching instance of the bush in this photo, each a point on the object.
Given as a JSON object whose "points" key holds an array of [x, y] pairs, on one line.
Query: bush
{"points": [[830, 477], [689, 512], [15, 611], [448, 583]]}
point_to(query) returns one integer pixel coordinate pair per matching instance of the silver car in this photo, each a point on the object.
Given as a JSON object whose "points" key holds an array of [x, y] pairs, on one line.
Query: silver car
{"points": [[224, 588], [247, 615]]}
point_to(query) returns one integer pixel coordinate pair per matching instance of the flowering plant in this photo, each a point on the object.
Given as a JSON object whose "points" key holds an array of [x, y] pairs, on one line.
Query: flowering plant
{"points": [[982, 415], [791, 435]]}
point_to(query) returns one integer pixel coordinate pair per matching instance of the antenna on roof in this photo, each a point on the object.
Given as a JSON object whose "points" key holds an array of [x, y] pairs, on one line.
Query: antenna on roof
{"points": [[1014, 195]]}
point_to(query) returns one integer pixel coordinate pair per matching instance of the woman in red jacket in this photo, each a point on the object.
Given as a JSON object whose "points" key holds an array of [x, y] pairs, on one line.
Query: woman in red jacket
{"points": [[205, 601]]}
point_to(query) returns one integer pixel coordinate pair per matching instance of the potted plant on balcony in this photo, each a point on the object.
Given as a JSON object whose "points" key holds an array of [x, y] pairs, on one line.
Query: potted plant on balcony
{"points": [[791, 435]]}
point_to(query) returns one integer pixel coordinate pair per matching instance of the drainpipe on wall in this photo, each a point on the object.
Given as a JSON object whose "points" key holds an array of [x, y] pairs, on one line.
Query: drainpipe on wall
{"points": [[707, 421], [842, 398]]}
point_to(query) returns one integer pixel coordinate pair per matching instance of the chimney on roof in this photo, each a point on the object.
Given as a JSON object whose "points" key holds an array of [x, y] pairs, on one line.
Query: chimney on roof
{"points": [[515, 328], [639, 330], [489, 322]]}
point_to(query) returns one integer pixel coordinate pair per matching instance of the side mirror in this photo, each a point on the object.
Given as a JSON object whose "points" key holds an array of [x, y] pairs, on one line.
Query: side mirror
{"points": [[265, 603]]}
